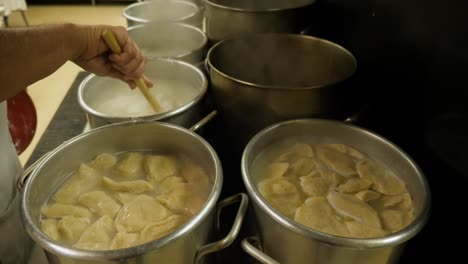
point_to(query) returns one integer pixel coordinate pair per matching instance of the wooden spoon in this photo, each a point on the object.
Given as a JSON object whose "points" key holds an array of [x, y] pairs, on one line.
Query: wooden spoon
{"points": [[109, 38]]}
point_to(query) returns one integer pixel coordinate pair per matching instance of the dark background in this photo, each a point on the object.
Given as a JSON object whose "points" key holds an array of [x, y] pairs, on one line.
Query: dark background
{"points": [[413, 66]]}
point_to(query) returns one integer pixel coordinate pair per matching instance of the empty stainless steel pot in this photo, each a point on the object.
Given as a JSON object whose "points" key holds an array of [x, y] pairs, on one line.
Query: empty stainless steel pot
{"points": [[186, 115], [163, 11], [262, 79], [170, 40], [187, 244], [228, 19], [287, 242]]}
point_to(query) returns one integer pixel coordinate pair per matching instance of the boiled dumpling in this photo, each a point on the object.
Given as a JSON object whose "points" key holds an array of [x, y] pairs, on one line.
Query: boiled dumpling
{"points": [[297, 151], [314, 186], [302, 167], [100, 203], [159, 167], [85, 179], [49, 227], [316, 213], [337, 161], [354, 185], [58, 210], [333, 179], [196, 177], [104, 161], [124, 240], [395, 219], [161, 228], [384, 180], [98, 236], [367, 195], [125, 197], [131, 165], [140, 212], [175, 198], [360, 230], [346, 150], [354, 208], [71, 228], [136, 186], [277, 169], [282, 194]]}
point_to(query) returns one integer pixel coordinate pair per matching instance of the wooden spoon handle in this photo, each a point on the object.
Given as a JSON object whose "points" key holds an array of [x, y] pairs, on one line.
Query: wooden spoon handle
{"points": [[109, 38]]}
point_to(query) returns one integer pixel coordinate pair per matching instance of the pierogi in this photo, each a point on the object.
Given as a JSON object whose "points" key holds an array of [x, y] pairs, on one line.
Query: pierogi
{"points": [[122, 200], [333, 188]]}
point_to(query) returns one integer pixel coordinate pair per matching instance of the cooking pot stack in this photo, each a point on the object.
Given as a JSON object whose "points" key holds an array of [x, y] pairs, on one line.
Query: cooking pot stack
{"points": [[266, 82]]}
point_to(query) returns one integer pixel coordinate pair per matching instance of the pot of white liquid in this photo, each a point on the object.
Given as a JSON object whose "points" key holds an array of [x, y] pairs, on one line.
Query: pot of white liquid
{"points": [[170, 40], [178, 86], [144, 192]]}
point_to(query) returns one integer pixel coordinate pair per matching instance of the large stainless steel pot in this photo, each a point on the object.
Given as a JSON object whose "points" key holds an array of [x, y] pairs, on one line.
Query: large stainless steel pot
{"points": [[259, 80], [227, 19], [170, 40], [187, 244], [186, 115], [286, 241], [163, 11]]}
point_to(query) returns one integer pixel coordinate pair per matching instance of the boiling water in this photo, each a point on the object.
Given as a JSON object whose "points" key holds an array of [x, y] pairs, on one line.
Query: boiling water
{"points": [[120, 101]]}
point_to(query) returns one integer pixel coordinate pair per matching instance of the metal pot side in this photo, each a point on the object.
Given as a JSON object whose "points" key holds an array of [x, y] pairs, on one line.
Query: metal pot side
{"points": [[179, 246], [185, 116], [229, 19], [302, 245], [163, 11], [267, 78], [189, 41]]}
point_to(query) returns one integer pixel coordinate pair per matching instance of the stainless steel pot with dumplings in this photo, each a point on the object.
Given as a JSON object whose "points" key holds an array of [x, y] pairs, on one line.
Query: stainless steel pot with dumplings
{"points": [[189, 243], [283, 240]]}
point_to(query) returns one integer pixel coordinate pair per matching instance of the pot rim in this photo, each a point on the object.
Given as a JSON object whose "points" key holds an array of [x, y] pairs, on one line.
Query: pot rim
{"points": [[360, 243], [268, 10], [53, 246], [181, 24], [142, 20], [279, 87], [153, 117]]}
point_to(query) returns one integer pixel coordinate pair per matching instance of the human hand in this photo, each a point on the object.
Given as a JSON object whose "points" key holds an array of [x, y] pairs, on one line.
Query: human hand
{"points": [[95, 56]]}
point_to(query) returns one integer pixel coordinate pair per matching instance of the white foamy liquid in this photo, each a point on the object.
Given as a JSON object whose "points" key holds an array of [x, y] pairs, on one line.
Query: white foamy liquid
{"points": [[162, 51], [122, 102]]}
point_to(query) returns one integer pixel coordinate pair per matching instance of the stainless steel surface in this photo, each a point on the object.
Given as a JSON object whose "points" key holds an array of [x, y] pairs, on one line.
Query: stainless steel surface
{"points": [[185, 115], [170, 40], [302, 245], [163, 11], [263, 79], [180, 246], [243, 201], [27, 172], [248, 246], [227, 19]]}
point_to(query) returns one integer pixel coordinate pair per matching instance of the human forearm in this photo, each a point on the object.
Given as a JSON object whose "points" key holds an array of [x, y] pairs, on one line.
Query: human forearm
{"points": [[30, 54]]}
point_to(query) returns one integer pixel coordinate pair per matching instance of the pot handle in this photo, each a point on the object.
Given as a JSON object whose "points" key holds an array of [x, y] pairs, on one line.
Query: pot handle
{"points": [[231, 236], [203, 121], [254, 251], [21, 181]]}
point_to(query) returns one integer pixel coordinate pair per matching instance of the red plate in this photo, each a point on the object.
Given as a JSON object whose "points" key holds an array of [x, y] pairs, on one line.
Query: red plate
{"points": [[22, 120]]}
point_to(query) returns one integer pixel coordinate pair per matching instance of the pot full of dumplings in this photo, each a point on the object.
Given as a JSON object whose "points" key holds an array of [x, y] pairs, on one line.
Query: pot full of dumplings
{"points": [[178, 86], [144, 192], [335, 192]]}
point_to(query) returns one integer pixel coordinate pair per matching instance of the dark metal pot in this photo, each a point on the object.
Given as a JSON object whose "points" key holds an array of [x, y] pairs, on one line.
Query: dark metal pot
{"points": [[259, 80], [227, 18]]}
